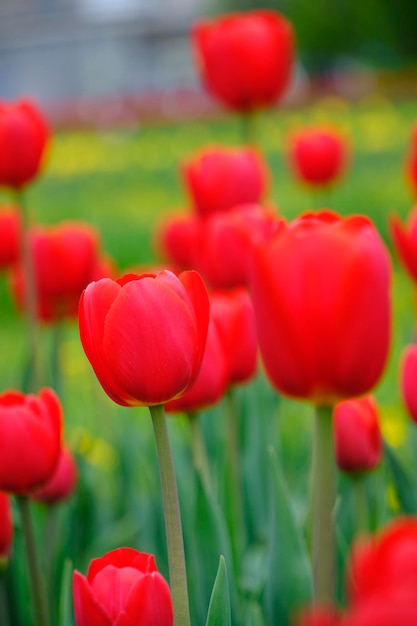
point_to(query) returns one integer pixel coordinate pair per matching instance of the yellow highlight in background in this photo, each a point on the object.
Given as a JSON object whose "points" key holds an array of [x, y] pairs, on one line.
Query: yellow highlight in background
{"points": [[95, 450], [393, 426]]}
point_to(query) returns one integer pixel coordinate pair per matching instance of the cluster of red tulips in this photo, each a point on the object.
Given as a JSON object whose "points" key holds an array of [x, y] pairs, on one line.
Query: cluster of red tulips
{"points": [[313, 296]]}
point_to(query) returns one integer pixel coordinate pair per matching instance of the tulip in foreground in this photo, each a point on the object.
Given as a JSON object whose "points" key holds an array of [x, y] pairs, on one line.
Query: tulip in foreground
{"points": [[122, 588], [245, 59], [24, 138], [145, 335]]}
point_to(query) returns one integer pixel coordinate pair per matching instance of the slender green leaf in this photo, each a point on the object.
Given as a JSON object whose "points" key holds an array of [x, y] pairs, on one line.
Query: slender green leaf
{"points": [[219, 613], [405, 483]]}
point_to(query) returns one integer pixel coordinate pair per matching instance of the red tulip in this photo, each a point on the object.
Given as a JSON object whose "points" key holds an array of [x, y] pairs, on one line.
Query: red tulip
{"points": [[227, 242], [212, 379], [410, 164], [220, 178], [233, 313], [318, 156], [9, 236], [320, 290], [24, 136], [318, 616], [66, 259], [404, 238], [122, 588], [178, 239], [61, 484], [357, 436], [30, 439], [409, 379], [245, 59], [6, 528], [145, 335]]}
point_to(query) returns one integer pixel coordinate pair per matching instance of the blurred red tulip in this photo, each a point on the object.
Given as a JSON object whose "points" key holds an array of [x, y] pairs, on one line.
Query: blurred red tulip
{"points": [[233, 313], [318, 156], [122, 588], [212, 380], [66, 258], [9, 236], [245, 59], [220, 178], [409, 379], [410, 163], [318, 616], [24, 137], [178, 239], [321, 295], [145, 335], [61, 484], [6, 528], [404, 238], [30, 439], [357, 435]]}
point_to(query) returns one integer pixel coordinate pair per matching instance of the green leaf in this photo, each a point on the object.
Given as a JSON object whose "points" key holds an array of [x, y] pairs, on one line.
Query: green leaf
{"points": [[289, 579], [219, 608], [65, 603], [405, 483]]}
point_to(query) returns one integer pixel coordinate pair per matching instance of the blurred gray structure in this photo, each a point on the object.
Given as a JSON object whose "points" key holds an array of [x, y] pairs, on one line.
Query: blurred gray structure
{"points": [[56, 50]]}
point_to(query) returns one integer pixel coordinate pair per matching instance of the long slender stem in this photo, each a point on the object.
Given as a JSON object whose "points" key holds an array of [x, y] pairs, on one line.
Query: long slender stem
{"points": [[360, 504], [40, 606], [324, 495], [248, 128], [57, 334], [199, 451], [173, 525], [34, 379]]}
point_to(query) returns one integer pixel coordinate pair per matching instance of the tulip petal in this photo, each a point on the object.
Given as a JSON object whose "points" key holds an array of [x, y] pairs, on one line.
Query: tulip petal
{"points": [[86, 610], [149, 603], [123, 557]]}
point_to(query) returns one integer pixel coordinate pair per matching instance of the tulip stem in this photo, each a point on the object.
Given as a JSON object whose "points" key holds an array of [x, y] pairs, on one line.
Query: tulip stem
{"points": [[30, 297], [199, 451], [40, 605], [172, 514], [324, 496], [248, 126], [4, 608], [360, 504]]}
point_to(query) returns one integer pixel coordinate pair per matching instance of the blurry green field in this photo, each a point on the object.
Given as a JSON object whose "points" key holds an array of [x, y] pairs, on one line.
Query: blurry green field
{"points": [[124, 182]]}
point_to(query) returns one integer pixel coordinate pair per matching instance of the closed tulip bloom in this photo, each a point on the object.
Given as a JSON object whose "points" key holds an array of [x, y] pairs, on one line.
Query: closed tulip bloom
{"points": [[145, 335], [61, 484], [409, 379], [66, 259], [318, 156], [219, 178], [6, 528], [321, 295], [30, 439], [357, 435], [122, 588], [24, 137], [212, 380], [178, 239], [9, 236], [245, 59], [233, 313], [404, 237]]}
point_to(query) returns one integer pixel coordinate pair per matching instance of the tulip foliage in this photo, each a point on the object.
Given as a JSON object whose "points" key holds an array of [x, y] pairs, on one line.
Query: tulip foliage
{"points": [[271, 343]]}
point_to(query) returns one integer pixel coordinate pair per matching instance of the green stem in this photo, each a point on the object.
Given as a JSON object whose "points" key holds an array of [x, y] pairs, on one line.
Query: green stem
{"points": [[199, 451], [4, 608], [40, 606], [360, 504], [324, 495], [33, 335], [173, 526], [248, 128], [57, 334]]}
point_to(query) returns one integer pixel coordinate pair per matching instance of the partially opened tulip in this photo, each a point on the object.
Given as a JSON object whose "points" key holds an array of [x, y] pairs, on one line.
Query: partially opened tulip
{"points": [[122, 588], [219, 178], [245, 59], [24, 138], [318, 156], [404, 238], [6, 528], [9, 236]]}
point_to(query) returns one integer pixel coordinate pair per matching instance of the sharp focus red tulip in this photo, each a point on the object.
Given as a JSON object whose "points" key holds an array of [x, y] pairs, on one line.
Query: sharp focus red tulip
{"points": [[66, 259], [61, 484], [24, 136], [233, 313], [321, 295], [404, 237], [245, 59], [409, 379], [122, 588], [212, 380], [9, 236], [30, 439], [6, 527], [220, 178], [318, 156], [357, 435], [145, 335]]}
